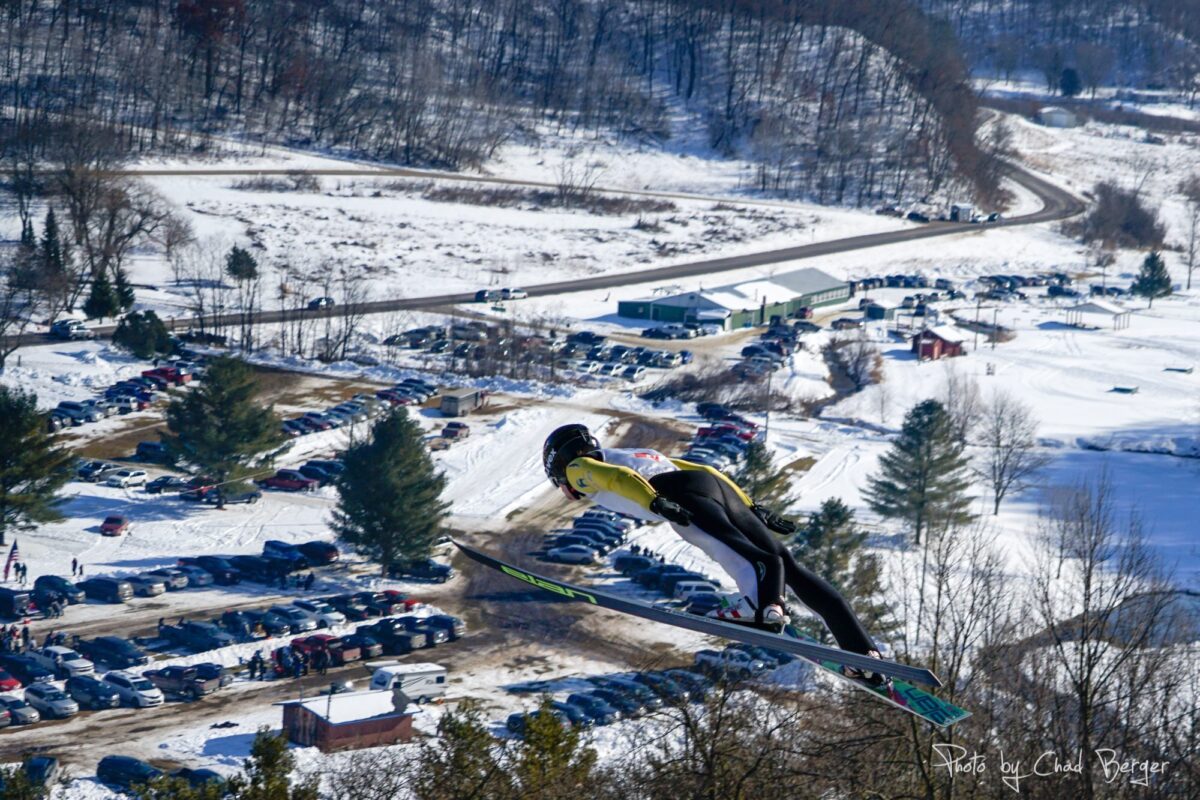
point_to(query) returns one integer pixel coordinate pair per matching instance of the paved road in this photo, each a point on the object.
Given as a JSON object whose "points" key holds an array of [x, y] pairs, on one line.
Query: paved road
{"points": [[1057, 204]]}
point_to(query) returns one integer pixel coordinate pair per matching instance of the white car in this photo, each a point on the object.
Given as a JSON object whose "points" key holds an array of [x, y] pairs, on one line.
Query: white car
{"points": [[572, 554], [51, 701], [126, 477], [62, 661], [297, 617], [135, 690], [327, 616], [513, 294]]}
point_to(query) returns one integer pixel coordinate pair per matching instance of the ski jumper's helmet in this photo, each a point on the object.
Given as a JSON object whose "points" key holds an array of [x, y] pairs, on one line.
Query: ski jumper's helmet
{"points": [[562, 447]]}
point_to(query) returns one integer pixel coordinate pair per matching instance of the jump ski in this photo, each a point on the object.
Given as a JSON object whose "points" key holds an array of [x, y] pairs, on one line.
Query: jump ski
{"points": [[899, 692]]}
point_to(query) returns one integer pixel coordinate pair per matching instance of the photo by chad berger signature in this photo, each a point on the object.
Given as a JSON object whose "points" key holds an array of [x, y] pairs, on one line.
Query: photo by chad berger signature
{"points": [[957, 760]]}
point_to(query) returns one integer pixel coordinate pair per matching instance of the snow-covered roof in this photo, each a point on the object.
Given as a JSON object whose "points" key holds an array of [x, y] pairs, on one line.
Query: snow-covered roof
{"points": [[348, 707], [947, 333], [807, 281], [1099, 307]]}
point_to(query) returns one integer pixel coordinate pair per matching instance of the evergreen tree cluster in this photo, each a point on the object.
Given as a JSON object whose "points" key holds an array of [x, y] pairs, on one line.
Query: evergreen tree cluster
{"points": [[143, 334], [219, 430], [390, 506]]}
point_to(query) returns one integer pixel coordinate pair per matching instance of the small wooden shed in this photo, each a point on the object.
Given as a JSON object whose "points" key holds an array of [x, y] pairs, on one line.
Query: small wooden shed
{"points": [[346, 721], [940, 341]]}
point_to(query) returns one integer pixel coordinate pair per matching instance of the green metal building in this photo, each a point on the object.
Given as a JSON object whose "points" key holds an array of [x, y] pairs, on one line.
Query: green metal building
{"points": [[744, 304]]}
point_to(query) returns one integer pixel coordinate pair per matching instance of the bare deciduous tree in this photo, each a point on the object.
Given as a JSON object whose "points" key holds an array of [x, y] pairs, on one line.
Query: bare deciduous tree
{"points": [[1007, 433], [858, 359], [962, 400]]}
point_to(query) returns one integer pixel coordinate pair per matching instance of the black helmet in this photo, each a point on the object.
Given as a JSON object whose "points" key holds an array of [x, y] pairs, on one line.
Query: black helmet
{"points": [[562, 447]]}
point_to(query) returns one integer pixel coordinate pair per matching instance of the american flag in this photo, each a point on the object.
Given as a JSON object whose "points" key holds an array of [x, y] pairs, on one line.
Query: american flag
{"points": [[14, 556]]}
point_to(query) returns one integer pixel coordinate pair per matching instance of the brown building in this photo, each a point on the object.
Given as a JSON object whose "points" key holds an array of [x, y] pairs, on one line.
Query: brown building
{"points": [[938, 342], [346, 721]]}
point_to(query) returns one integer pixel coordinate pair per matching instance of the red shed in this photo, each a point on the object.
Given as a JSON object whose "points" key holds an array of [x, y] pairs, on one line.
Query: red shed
{"points": [[937, 342], [346, 721]]}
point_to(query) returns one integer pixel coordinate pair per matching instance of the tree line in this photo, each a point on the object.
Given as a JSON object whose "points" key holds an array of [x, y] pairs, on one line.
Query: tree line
{"points": [[850, 102]]}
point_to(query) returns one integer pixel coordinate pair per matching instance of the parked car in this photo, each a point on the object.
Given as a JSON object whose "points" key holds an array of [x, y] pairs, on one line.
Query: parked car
{"points": [[219, 497], [601, 712], [50, 701], [108, 590], [147, 585], [262, 570], [198, 778], [182, 681], [454, 627], [223, 572], [174, 578], [338, 651], [115, 525], [165, 485], [572, 554], [135, 690], [289, 480], [92, 693], [62, 661], [56, 583], [299, 619], [113, 651], [197, 577], [368, 646], [350, 608], [20, 712], [283, 551], [327, 616], [320, 302], [196, 636], [425, 569], [70, 330], [319, 553], [125, 772], [152, 451], [25, 669], [726, 663], [456, 430], [272, 623]]}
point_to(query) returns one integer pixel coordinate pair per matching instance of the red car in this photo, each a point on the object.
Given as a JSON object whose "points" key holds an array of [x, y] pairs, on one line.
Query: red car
{"points": [[290, 481], [401, 597], [8, 682], [718, 430], [169, 374], [339, 653], [395, 398], [114, 526]]}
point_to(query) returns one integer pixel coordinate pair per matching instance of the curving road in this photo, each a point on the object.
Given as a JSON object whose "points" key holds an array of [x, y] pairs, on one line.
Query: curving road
{"points": [[1057, 204]]}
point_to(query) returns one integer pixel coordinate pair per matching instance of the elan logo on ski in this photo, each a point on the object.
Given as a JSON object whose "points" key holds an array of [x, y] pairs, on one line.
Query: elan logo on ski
{"points": [[565, 591]]}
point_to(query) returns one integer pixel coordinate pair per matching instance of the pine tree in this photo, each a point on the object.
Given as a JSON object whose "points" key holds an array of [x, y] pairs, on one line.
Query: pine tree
{"points": [[830, 545], [218, 429], [1070, 83], [268, 772], [923, 479], [390, 505], [1152, 280], [762, 480], [551, 761], [123, 291], [18, 786], [462, 762], [102, 300], [51, 245], [27, 237], [240, 265], [32, 468], [143, 334]]}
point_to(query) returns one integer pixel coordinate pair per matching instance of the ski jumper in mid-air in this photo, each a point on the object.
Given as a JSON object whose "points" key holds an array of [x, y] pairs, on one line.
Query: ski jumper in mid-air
{"points": [[707, 510]]}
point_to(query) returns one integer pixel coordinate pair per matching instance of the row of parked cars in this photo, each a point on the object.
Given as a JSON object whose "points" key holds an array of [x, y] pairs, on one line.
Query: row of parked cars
{"points": [[592, 534], [361, 407], [686, 330], [632, 695], [126, 396], [724, 441], [619, 361]]}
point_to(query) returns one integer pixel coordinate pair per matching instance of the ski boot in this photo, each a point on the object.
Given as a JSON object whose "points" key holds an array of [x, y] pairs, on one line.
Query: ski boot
{"points": [[772, 617], [873, 679]]}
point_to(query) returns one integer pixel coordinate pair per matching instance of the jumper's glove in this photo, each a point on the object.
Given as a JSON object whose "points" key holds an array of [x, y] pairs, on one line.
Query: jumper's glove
{"points": [[670, 511], [780, 525]]}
